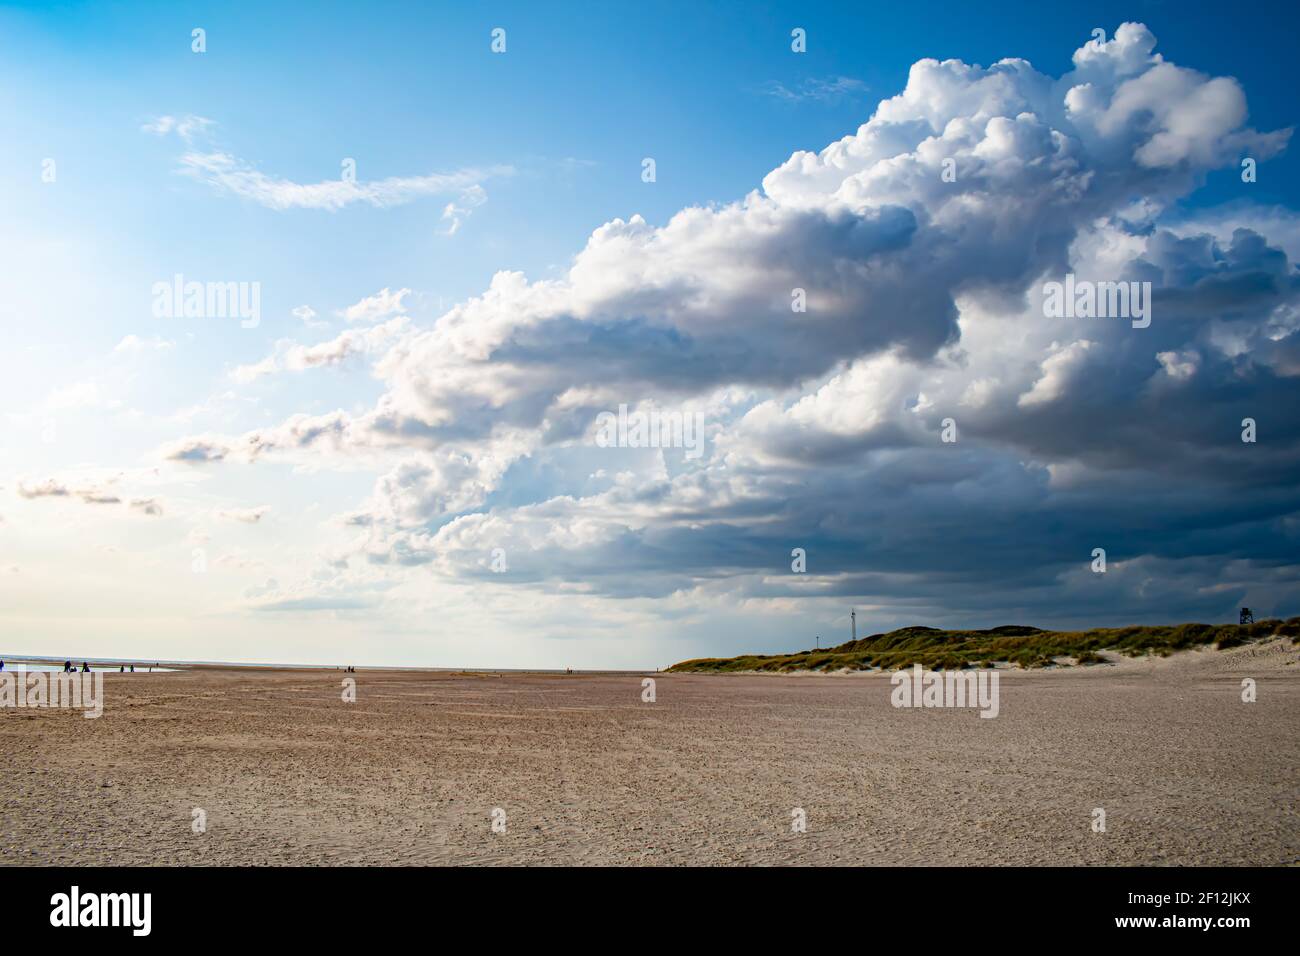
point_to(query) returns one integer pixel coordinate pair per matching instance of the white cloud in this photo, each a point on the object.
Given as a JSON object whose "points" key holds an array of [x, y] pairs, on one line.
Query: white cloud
{"points": [[457, 211], [1179, 366], [148, 506], [307, 315], [244, 374], [377, 307], [345, 345], [244, 515], [188, 128], [1060, 367], [134, 343], [824, 425], [49, 488], [195, 449], [230, 174], [90, 490], [820, 89], [292, 356]]}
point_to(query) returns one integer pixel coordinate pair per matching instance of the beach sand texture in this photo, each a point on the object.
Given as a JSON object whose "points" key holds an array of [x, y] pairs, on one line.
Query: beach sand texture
{"points": [[587, 773]]}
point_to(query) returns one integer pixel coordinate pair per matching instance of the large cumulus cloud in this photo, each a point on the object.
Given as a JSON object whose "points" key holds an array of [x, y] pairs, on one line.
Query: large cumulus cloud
{"points": [[921, 243]]}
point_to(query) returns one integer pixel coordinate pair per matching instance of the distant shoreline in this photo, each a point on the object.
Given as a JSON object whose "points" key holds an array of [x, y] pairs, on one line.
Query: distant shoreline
{"points": [[262, 666]]}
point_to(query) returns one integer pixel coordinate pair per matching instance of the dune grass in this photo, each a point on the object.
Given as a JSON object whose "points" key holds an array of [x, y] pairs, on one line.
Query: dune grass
{"points": [[1009, 644]]}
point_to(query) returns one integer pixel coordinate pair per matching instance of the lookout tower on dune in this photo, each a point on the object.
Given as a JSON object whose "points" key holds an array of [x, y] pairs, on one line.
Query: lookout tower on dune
{"points": [[1246, 616]]}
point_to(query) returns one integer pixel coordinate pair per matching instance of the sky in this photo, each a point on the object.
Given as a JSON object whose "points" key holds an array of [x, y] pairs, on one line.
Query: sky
{"points": [[464, 236]]}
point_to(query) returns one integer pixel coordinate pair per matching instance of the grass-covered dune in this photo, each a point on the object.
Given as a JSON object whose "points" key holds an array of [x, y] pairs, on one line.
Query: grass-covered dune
{"points": [[1011, 644]]}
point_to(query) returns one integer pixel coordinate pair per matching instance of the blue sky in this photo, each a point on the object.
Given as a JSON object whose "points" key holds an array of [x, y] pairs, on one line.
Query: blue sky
{"points": [[523, 156]]}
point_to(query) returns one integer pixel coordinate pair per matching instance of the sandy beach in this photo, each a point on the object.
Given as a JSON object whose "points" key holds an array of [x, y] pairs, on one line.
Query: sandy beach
{"points": [[586, 772]]}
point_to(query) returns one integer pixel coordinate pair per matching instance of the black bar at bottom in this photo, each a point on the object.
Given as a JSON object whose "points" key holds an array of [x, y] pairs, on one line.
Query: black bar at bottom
{"points": [[301, 904]]}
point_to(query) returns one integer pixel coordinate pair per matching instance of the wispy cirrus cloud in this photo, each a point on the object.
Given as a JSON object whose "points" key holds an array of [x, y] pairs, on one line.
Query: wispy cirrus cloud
{"points": [[824, 89], [232, 175], [457, 211], [235, 176], [187, 128], [135, 343], [307, 315]]}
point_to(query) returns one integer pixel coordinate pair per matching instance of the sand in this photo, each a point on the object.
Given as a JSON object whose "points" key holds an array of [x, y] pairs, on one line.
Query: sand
{"points": [[586, 772]]}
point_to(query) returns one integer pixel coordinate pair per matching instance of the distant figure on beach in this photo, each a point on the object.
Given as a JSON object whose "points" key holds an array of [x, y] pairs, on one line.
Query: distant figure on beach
{"points": [[2, 665], [85, 667], [132, 668], [67, 667], [122, 669]]}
